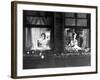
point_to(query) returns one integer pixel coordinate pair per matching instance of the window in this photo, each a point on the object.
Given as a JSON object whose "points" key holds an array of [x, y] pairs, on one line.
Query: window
{"points": [[37, 31], [77, 32]]}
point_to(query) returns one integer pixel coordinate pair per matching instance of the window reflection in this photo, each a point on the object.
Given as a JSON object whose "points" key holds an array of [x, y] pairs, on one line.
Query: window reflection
{"points": [[37, 39], [76, 40], [82, 22]]}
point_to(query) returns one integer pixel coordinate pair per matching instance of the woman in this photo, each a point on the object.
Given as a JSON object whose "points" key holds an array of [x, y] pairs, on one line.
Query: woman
{"points": [[43, 43], [74, 43]]}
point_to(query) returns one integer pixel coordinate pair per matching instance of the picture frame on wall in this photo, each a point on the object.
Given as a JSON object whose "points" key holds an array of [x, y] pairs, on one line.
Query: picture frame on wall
{"points": [[50, 39]]}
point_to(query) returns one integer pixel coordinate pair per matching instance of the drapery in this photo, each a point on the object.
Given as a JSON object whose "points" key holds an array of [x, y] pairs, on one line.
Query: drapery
{"points": [[86, 40], [28, 39]]}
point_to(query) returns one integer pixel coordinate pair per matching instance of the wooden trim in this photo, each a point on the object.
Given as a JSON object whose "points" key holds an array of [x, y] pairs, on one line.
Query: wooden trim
{"points": [[13, 40], [37, 26], [54, 4], [96, 39]]}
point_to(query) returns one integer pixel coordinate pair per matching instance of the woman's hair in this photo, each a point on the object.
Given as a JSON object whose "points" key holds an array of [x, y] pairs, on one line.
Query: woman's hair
{"points": [[74, 35], [44, 35]]}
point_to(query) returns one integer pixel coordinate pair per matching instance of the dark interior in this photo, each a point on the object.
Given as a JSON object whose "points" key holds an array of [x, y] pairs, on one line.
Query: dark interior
{"points": [[56, 39]]}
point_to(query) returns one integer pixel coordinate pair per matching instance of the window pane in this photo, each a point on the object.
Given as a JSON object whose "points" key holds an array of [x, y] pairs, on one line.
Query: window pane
{"points": [[70, 22], [82, 22], [69, 14], [81, 15], [76, 40], [37, 39]]}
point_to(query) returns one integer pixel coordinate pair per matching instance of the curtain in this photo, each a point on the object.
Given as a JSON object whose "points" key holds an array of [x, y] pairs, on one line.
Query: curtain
{"points": [[28, 39], [86, 39]]}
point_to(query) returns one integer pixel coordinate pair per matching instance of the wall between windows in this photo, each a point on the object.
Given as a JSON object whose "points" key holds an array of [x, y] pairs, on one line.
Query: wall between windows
{"points": [[5, 40]]}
